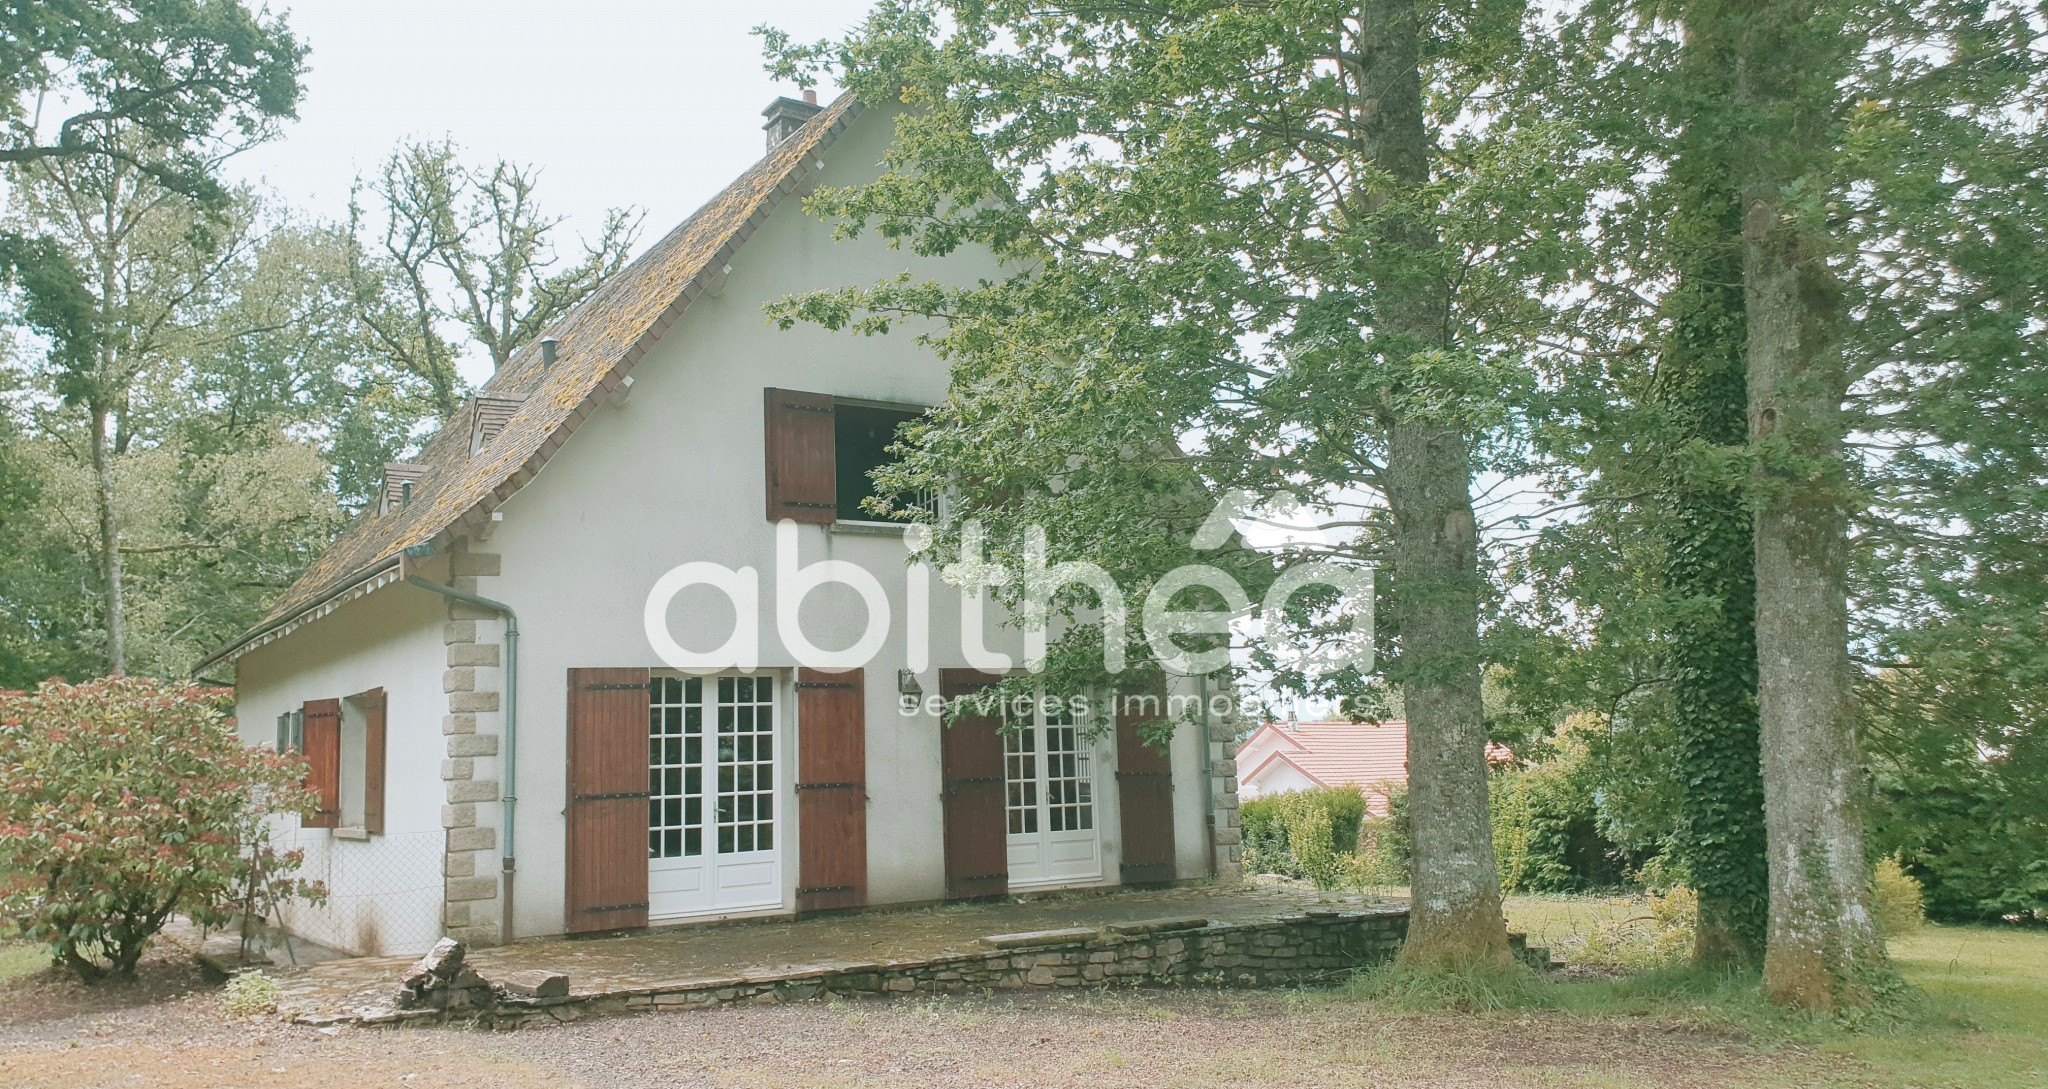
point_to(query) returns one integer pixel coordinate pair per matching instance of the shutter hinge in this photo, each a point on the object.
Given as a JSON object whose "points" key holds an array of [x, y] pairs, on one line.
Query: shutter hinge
{"points": [[641, 906], [824, 684], [1003, 876], [614, 796], [813, 890], [830, 786], [634, 687], [1121, 774], [826, 409]]}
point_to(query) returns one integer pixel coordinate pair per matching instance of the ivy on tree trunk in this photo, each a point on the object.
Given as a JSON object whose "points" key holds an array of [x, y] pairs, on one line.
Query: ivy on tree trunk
{"points": [[1709, 571]]}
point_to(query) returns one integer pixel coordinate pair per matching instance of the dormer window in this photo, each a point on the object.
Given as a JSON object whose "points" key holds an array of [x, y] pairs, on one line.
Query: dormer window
{"points": [[402, 479], [487, 417]]}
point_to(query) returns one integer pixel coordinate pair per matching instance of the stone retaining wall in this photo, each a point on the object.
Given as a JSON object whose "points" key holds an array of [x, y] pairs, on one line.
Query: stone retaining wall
{"points": [[1313, 948]]}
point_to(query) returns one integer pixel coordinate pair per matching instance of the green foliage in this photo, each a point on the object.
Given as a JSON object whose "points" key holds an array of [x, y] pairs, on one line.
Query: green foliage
{"points": [[1547, 828], [1302, 833], [1960, 758], [1308, 836], [1896, 899], [185, 73], [1385, 844], [225, 378], [250, 994], [1661, 938], [125, 801]]}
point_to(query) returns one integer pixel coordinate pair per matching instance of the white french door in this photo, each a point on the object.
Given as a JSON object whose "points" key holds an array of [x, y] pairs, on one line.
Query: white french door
{"points": [[712, 835], [1049, 784]]}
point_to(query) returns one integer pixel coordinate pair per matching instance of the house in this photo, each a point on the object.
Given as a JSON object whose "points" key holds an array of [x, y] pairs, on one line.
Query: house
{"points": [[482, 672], [1370, 756]]}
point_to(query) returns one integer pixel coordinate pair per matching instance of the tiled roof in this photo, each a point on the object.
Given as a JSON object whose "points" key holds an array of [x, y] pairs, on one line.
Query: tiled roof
{"points": [[597, 345], [1333, 753]]}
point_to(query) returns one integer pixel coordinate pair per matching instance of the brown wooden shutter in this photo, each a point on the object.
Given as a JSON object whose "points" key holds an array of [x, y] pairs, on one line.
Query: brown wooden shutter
{"points": [[1144, 782], [801, 459], [831, 789], [371, 704], [607, 816], [971, 775], [322, 745]]}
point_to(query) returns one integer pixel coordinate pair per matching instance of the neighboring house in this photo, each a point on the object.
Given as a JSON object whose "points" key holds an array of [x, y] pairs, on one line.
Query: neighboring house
{"points": [[1370, 756], [499, 749]]}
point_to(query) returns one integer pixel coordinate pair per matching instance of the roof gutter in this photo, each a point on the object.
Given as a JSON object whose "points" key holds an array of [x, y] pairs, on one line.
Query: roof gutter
{"points": [[510, 796]]}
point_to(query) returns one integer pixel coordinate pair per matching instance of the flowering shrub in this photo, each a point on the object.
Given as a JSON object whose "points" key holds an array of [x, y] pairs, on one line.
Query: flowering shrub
{"points": [[124, 801]]}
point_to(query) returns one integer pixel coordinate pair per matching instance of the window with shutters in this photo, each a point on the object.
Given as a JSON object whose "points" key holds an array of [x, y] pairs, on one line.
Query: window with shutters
{"points": [[822, 454], [345, 761]]}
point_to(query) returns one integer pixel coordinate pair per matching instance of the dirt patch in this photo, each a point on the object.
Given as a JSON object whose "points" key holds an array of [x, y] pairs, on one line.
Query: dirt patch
{"points": [[50, 994]]}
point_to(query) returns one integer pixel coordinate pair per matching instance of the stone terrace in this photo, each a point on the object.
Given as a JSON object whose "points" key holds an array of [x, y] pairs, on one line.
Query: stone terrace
{"points": [[1216, 935]]}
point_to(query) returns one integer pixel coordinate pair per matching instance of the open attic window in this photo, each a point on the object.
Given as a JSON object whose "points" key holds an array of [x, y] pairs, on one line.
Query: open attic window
{"points": [[822, 453], [488, 416], [402, 480]]}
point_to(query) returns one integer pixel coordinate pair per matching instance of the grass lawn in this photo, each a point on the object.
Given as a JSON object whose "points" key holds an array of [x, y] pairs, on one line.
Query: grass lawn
{"points": [[18, 959], [1983, 1014], [1978, 1017]]}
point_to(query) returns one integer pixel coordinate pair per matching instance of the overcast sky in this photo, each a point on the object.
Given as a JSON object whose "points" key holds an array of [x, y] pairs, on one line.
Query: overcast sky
{"points": [[650, 104]]}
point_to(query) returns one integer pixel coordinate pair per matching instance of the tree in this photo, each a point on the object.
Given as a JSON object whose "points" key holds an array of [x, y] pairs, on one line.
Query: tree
{"points": [[1824, 949], [1645, 432], [1886, 149], [452, 245], [1708, 570], [181, 465], [1895, 174], [136, 257], [178, 72], [125, 801], [1273, 242]]}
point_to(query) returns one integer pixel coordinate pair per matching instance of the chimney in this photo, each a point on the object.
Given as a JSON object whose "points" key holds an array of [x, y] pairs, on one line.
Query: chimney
{"points": [[547, 352], [786, 115]]}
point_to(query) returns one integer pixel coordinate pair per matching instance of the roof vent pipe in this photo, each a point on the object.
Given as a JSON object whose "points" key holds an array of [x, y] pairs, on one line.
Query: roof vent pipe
{"points": [[547, 352]]}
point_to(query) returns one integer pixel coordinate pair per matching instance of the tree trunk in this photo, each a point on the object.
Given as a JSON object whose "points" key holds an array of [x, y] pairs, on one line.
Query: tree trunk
{"points": [[1455, 917], [110, 545], [1710, 565], [1824, 950]]}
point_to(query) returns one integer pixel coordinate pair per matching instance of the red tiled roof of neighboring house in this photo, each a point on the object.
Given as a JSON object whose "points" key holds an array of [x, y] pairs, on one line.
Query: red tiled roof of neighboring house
{"points": [[598, 344], [1334, 753]]}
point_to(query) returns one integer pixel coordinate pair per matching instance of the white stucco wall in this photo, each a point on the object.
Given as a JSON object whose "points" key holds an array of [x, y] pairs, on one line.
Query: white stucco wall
{"points": [[386, 888]]}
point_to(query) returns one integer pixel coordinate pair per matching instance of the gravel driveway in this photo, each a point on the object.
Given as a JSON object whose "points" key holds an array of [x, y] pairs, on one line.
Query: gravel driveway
{"points": [[1192, 1038]]}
